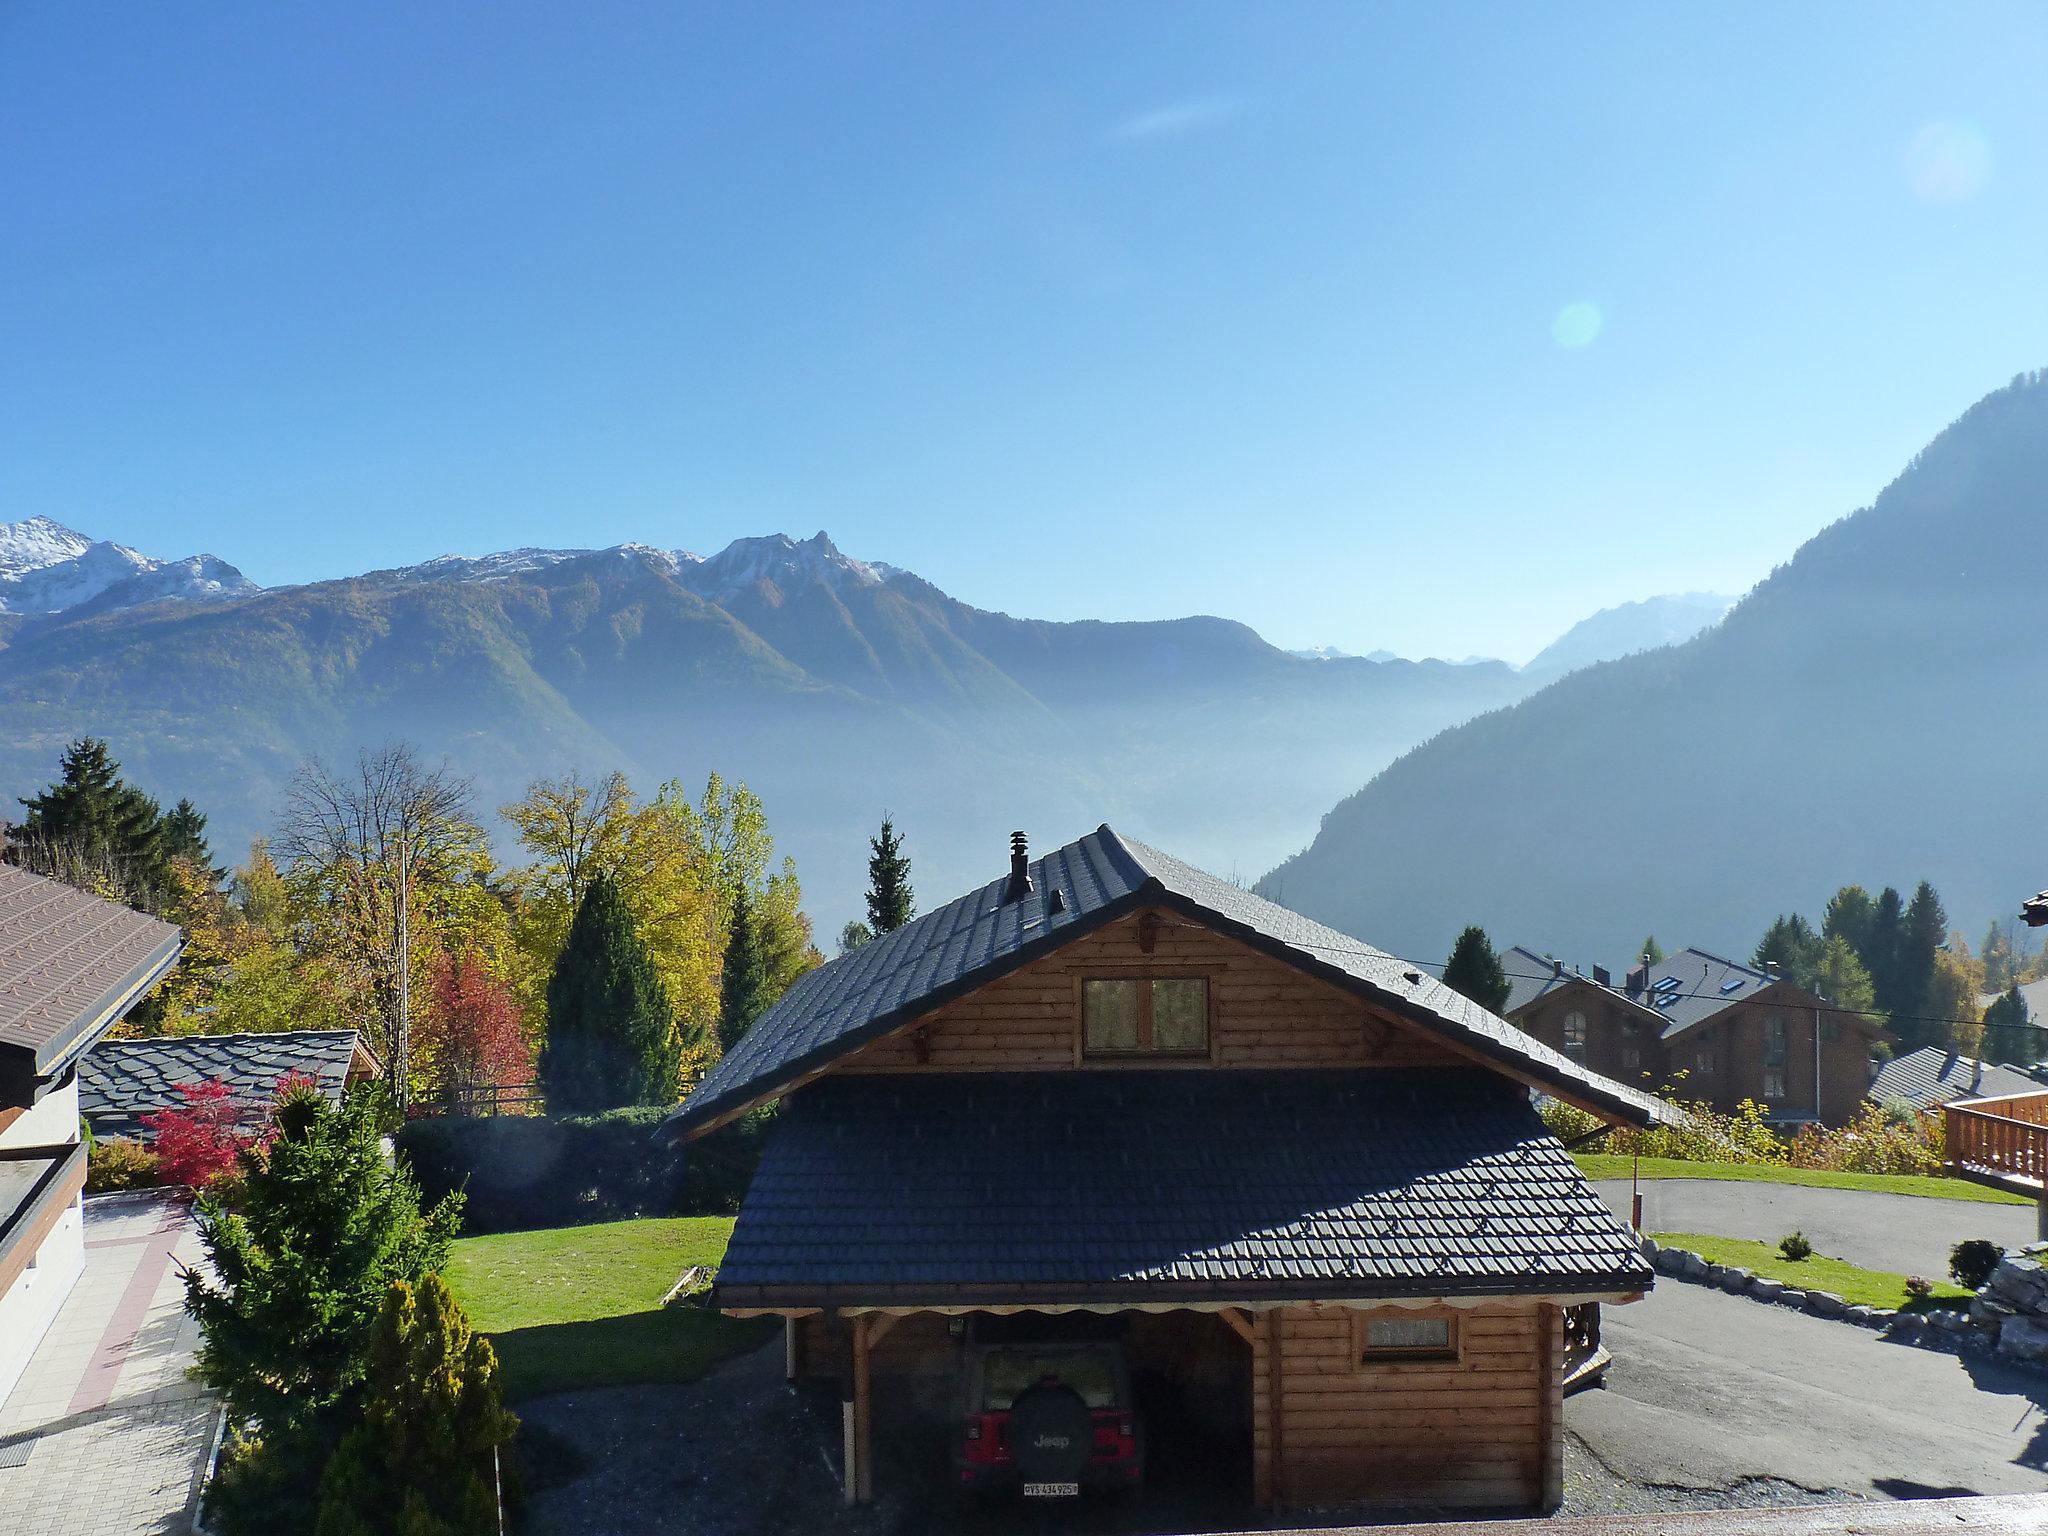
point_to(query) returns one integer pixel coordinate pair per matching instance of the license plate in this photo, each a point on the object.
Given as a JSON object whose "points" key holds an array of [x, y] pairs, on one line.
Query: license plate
{"points": [[1052, 1490]]}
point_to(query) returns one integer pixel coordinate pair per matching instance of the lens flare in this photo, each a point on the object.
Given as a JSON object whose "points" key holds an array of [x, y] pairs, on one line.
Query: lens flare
{"points": [[1947, 162], [1577, 324]]}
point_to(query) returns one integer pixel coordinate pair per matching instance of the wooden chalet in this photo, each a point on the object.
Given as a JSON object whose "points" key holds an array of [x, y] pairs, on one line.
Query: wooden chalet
{"points": [[1301, 1178]]}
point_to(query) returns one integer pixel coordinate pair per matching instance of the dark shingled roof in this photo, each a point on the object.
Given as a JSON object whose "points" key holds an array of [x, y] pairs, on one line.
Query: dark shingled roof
{"points": [[71, 963], [1706, 985], [950, 951], [119, 1081], [1075, 1187], [1933, 1075]]}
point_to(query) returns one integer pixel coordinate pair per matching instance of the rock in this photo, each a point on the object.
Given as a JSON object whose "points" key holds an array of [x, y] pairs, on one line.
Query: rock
{"points": [[1859, 1315], [2021, 1283], [1881, 1317], [1765, 1289], [1735, 1281], [1651, 1248], [1948, 1320], [1825, 1304], [1792, 1298], [1986, 1312], [1668, 1261], [1692, 1266], [1906, 1325], [1716, 1273]]}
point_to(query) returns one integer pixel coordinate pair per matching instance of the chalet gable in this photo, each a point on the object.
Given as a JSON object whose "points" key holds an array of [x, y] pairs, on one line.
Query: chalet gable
{"points": [[1042, 907]]}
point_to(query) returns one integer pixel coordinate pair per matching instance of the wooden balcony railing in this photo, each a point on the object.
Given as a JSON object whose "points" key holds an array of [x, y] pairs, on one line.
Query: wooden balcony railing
{"points": [[2002, 1142]]}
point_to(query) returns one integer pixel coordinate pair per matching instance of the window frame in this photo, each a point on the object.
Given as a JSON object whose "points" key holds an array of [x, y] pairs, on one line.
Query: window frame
{"points": [[1575, 1050], [1365, 1356], [1144, 1052]]}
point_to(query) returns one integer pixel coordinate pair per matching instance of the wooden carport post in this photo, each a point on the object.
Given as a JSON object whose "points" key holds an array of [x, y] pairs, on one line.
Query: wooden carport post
{"points": [[860, 1420]]}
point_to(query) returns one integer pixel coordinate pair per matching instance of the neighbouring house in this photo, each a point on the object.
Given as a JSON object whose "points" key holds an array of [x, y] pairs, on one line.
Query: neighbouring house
{"points": [[1934, 1075], [120, 1081], [1706, 1028], [1584, 1018], [71, 964], [1301, 1184]]}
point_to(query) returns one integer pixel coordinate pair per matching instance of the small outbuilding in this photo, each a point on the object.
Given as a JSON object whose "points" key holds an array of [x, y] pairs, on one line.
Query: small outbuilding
{"points": [[1296, 1181], [120, 1081]]}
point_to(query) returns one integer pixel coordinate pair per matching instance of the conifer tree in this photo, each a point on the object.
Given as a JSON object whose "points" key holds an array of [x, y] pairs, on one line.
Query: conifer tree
{"points": [[92, 825], [611, 1037], [2009, 1035], [889, 894], [1475, 970], [743, 984], [322, 1228], [1922, 931], [1794, 948], [1848, 916], [421, 1461], [1652, 951], [1882, 948]]}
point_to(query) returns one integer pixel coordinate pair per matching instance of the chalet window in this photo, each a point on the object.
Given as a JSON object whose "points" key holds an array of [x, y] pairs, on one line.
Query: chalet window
{"points": [[1774, 1057], [1152, 1016], [1406, 1338], [1575, 1037], [1705, 1061]]}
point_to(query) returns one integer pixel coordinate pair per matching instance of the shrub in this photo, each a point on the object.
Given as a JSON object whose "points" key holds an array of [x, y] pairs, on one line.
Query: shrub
{"points": [[1795, 1247], [1876, 1141], [198, 1144], [325, 1228], [1919, 1287], [421, 1460], [119, 1163], [1970, 1263]]}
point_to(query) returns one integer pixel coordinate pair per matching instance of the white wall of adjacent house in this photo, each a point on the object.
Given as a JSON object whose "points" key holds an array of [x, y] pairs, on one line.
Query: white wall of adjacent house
{"points": [[31, 1302]]}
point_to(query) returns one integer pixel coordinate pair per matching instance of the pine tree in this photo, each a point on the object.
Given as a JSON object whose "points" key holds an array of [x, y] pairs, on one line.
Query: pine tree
{"points": [[1652, 951], [93, 827], [1794, 948], [2009, 1035], [889, 894], [422, 1462], [611, 1036], [322, 1228], [1475, 970], [184, 837], [743, 985], [1847, 918], [1922, 932], [1882, 952]]}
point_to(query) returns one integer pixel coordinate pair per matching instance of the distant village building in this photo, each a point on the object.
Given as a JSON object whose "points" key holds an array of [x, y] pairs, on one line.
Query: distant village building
{"points": [[1934, 1075], [71, 965], [1112, 1101], [1706, 1028]]}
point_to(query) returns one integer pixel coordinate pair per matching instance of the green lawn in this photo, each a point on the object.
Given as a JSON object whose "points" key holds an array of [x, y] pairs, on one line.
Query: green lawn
{"points": [[1857, 1286], [1609, 1165], [581, 1306]]}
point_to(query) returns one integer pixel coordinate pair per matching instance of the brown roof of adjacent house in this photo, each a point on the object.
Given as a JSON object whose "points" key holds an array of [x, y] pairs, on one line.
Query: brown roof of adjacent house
{"points": [[71, 963]]}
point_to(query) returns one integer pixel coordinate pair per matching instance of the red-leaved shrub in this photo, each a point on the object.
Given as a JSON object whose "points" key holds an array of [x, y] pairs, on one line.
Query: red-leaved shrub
{"points": [[199, 1143]]}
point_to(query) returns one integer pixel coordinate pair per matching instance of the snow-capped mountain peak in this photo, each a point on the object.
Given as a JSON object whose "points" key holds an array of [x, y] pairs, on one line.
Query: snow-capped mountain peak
{"points": [[46, 567], [783, 562]]}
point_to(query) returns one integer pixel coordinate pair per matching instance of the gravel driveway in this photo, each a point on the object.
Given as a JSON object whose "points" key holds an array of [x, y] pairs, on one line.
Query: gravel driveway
{"points": [[1906, 1234]]}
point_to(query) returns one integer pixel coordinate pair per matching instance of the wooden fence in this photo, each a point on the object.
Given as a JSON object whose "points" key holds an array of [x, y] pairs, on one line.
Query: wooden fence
{"points": [[2001, 1141]]}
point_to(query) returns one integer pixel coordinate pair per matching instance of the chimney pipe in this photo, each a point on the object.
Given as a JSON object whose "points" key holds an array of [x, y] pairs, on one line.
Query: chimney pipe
{"points": [[1020, 869]]}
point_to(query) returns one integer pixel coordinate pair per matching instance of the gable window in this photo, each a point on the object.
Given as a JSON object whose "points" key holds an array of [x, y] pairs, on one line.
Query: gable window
{"points": [[1774, 1057], [1405, 1338], [1575, 1036], [1145, 1016]]}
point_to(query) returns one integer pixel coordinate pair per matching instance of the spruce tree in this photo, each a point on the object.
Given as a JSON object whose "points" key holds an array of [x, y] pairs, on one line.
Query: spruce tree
{"points": [[889, 895], [1922, 932], [94, 825], [611, 1038], [421, 1460], [743, 985], [1882, 952], [1848, 917], [321, 1229], [1475, 970], [2009, 1035], [1652, 951], [1792, 946]]}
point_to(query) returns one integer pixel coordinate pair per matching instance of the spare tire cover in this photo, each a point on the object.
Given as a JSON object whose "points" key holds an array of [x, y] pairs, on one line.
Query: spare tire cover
{"points": [[1051, 1433]]}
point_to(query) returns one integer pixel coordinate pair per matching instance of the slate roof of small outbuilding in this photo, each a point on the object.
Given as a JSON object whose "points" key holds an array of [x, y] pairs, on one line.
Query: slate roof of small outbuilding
{"points": [[71, 963], [1932, 1076], [955, 948], [1069, 1188], [119, 1081]]}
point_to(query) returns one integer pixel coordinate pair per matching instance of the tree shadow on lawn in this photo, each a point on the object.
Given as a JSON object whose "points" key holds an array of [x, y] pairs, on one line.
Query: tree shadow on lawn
{"points": [[662, 1344]]}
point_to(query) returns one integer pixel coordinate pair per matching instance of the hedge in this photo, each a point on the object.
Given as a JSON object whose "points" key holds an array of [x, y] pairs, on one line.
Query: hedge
{"points": [[527, 1171]]}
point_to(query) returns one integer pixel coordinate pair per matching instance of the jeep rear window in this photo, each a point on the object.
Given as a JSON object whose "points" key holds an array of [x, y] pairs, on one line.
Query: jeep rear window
{"points": [[1006, 1372]]}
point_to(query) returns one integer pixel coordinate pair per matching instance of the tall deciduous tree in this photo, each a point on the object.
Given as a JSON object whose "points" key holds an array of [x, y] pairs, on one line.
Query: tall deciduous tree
{"points": [[611, 1032], [1475, 970], [853, 935], [1848, 917], [369, 837], [421, 1461], [471, 1038], [889, 894], [1841, 978], [744, 993], [323, 1227]]}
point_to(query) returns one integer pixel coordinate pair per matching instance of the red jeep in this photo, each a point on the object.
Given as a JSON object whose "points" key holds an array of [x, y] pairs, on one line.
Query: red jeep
{"points": [[1049, 1419]]}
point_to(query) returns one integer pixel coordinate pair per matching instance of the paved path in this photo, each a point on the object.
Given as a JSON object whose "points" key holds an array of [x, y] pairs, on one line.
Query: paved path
{"points": [[1709, 1390], [1907, 1234], [116, 1435]]}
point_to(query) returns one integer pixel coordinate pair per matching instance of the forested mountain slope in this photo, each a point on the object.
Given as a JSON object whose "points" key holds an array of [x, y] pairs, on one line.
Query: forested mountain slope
{"points": [[1871, 712]]}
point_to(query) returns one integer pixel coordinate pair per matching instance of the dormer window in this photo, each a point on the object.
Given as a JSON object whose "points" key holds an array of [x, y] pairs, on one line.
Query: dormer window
{"points": [[1145, 1016]]}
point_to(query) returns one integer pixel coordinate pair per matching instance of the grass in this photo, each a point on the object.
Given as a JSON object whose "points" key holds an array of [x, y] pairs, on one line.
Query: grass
{"points": [[1610, 1165], [1855, 1285], [571, 1307]]}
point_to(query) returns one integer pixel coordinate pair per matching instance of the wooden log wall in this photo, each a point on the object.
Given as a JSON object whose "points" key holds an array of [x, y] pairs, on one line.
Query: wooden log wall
{"points": [[1483, 1430], [1263, 1013]]}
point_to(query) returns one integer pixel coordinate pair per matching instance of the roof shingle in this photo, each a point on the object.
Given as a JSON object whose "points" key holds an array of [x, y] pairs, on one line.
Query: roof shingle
{"points": [[70, 964], [120, 1081]]}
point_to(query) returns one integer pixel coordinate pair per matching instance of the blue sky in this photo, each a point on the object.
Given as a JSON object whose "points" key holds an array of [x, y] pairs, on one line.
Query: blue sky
{"points": [[1432, 328]]}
